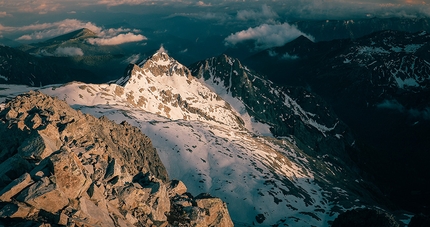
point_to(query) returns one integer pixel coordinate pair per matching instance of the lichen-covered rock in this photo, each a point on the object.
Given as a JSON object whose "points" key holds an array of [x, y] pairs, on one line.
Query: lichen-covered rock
{"points": [[61, 167]]}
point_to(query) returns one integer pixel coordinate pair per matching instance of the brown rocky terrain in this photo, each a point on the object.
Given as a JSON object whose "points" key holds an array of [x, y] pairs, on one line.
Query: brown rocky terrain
{"points": [[59, 166]]}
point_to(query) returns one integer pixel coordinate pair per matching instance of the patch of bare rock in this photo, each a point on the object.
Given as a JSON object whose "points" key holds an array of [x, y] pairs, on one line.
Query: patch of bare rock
{"points": [[60, 167]]}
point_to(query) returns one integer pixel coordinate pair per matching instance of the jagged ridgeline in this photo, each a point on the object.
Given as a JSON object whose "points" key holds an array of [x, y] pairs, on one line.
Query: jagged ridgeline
{"points": [[60, 166], [275, 155]]}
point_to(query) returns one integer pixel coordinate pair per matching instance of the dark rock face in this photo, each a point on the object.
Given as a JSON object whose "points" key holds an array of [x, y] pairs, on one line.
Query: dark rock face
{"points": [[379, 86], [325, 30], [419, 220], [365, 217], [288, 110], [60, 166]]}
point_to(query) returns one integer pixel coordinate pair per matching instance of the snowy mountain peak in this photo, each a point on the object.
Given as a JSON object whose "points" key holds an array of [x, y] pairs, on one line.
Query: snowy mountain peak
{"points": [[161, 64], [164, 86]]}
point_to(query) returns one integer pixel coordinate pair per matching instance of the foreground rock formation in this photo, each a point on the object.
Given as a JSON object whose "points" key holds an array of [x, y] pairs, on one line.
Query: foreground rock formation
{"points": [[60, 166]]}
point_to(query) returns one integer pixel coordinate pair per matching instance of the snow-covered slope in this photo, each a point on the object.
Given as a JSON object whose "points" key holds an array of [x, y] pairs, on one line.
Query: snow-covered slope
{"points": [[288, 111], [203, 142]]}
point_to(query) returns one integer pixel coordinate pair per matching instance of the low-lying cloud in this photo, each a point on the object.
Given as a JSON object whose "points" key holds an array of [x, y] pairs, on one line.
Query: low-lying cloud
{"points": [[265, 14], [287, 56], [133, 59], [4, 14], [395, 105], [68, 52], [117, 40], [267, 35]]}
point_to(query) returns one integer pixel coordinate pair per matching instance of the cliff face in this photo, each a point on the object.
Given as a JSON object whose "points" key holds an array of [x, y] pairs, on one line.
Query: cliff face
{"points": [[60, 166]]}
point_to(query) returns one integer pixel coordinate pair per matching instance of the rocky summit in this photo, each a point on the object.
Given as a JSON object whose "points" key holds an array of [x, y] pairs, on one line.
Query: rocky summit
{"points": [[62, 167]]}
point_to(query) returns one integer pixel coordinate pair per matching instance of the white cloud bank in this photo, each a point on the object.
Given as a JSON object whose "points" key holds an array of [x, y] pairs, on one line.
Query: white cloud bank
{"points": [[395, 105], [266, 35], [266, 13], [116, 40], [111, 36]]}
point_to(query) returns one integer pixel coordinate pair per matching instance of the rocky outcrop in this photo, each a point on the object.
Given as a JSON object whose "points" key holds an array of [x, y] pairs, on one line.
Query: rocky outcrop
{"points": [[62, 167], [365, 217]]}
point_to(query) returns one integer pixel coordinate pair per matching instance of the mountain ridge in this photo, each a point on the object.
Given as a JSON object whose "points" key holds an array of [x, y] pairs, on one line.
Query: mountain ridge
{"points": [[389, 69], [279, 107], [266, 180], [78, 35]]}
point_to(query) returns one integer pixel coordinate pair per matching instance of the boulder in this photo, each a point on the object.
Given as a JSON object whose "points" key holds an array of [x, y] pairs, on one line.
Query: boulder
{"points": [[15, 210], [216, 213], [69, 177], [93, 214], [15, 187], [176, 187], [44, 195]]}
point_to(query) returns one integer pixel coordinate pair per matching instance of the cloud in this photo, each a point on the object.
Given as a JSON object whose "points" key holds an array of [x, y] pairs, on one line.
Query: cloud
{"points": [[391, 104], [117, 40], [272, 53], [132, 59], [266, 35], [68, 52], [4, 14], [49, 30], [287, 56], [201, 3], [266, 13], [295, 9], [132, 2], [111, 36], [34, 6], [217, 16], [115, 31], [395, 105]]}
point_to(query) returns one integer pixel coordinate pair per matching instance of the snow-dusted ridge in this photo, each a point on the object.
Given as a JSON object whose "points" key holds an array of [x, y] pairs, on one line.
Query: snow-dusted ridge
{"points": [[202, 141], [284, 111], [397, 55]]}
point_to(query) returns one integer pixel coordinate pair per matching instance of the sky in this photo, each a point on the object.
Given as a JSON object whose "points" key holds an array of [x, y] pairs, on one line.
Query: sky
{"points": [[265, 22]]}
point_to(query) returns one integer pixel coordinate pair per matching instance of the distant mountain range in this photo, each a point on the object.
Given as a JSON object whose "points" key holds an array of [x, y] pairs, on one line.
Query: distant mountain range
{"points": [[379, 85], [18, 67], [326, 30], [61, 56], [331, 30]]}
